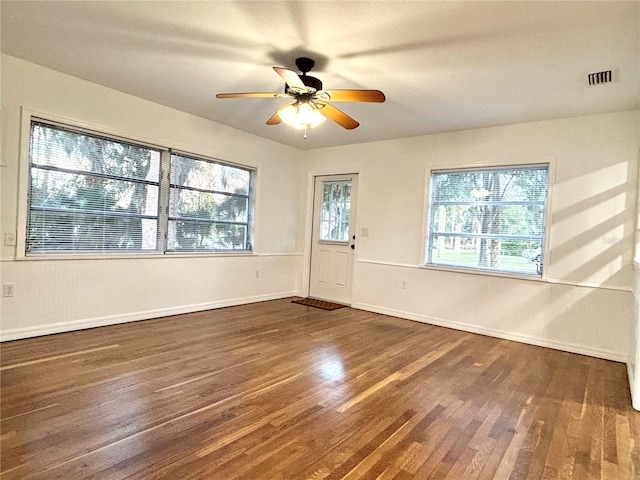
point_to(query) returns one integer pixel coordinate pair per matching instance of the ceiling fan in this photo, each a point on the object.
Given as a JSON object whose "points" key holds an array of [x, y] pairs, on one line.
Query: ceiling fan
{"points": [[311, 104]]}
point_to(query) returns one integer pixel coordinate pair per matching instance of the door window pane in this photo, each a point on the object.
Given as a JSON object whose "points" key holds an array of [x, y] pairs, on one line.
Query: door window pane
{"points": [[336, 211]]}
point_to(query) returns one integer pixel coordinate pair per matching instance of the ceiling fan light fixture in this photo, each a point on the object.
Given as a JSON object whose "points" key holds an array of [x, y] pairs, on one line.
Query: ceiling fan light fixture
{"points": [[311, 105], [301, 115]]}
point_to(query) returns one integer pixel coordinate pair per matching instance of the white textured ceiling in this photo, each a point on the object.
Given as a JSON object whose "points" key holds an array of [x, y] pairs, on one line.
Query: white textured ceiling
{"points": [[443, 66]]}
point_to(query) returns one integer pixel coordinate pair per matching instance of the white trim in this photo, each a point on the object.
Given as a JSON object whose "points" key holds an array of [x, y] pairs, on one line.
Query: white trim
{"points": [[547, 255], [635, 399], [516, 337], [36, 331], [87, 129], [254, 206], [393, 264], [308, 235], [294, 254], [23, 182], [486, 272], [489, 164], [514, 276], [141, 256], [589, 285], [426, 224]]}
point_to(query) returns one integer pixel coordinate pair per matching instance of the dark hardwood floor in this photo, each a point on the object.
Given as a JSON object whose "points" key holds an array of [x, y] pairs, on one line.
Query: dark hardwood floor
{"points": [[276, 390]]}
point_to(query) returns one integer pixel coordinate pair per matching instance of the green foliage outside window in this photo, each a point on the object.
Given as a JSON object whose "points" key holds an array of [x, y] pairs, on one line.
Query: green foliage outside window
{"points": [[93, 194], [488, 219]]}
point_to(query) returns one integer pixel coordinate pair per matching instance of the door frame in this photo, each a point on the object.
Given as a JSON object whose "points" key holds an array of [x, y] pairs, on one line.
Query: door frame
{"points": [[308, 237]]}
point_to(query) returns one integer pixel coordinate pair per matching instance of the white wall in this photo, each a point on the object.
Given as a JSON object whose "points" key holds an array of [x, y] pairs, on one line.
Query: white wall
{"points": [[58, 295], [585, 302], [584, 305]]}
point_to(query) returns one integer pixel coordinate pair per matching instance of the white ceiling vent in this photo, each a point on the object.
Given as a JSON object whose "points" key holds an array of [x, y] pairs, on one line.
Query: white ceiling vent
{"points": [[596, 78]]}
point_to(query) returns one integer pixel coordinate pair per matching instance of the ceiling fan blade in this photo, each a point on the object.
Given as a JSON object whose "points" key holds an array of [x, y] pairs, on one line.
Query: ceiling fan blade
{"points": [[252, 95], [275, 118], [337, 116], [356, 95], [291, 78]]}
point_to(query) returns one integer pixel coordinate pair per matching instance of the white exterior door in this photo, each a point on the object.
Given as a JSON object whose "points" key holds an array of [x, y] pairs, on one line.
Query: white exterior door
{"points": [[333, 239]]}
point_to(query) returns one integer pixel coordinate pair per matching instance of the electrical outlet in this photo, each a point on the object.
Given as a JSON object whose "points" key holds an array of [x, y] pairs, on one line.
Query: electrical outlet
{"points": [[403, 284], [8, 289], [9, 239]]}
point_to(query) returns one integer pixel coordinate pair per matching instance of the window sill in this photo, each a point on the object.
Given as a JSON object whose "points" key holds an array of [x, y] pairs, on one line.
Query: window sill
{"points": [[132, 256], [489, 273]]}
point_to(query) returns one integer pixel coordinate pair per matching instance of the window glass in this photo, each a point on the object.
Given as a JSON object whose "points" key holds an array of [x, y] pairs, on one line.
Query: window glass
{"points": [[89, 194], [336, 211], [208, 175], [489, 219], [208, 205]]}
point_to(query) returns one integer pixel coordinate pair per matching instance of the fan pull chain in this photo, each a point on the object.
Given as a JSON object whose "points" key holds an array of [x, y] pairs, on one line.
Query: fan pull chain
{"points": [[305, 133]]}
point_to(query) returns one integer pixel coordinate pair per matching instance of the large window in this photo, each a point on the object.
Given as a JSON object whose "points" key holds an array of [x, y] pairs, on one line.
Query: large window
{"points": [[89, 193], [488, 219]]}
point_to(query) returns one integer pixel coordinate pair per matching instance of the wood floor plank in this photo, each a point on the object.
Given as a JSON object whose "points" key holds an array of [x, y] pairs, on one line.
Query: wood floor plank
{"points": [[56, 357], [274, 391]]}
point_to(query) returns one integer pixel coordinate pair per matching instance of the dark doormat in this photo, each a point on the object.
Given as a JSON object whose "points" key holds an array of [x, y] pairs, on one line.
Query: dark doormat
{"points": [[312, 302]]}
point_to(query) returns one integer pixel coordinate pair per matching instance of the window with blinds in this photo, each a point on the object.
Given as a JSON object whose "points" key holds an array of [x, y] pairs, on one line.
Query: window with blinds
{"points": [[90, 193], [488, 219], [208, 205]]}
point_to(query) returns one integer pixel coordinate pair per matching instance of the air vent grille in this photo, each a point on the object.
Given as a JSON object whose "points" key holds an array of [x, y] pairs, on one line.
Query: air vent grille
{"points": [[596, 78]]}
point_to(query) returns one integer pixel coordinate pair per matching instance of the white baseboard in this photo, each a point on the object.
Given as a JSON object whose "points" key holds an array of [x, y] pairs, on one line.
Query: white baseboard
{"points": [[28, 332], [37, 331], [516, 337], [635, 394]]}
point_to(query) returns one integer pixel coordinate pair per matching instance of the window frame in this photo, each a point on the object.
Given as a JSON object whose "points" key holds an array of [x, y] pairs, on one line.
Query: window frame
{"points": [[28, 117], [250, 196], [548, 161]]}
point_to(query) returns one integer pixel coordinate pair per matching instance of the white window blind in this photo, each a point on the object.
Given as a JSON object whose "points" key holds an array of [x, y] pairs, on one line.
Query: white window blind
{"points": [[489, 219], [209, 205], [91, 193]]}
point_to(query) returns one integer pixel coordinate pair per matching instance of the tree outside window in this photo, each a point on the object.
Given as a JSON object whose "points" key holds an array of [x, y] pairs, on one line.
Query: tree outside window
{"points": [[488, 219], [90, 193]]}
